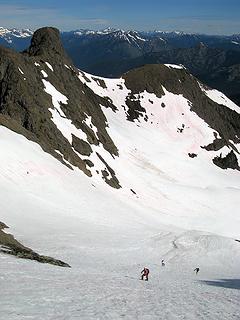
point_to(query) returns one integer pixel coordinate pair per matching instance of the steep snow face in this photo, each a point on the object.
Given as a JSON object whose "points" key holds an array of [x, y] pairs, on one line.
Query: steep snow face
{"points": [[154, 160], [220, 98]]}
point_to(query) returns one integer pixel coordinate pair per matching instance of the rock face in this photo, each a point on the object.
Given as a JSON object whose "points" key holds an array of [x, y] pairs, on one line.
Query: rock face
{"points": [[153, 78], [46, 42], [26, 107], [9, 245], [81, 146], [229, 161]]}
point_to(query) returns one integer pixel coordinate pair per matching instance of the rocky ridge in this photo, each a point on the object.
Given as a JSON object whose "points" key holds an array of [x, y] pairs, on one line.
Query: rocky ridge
{"points": [[25, 106], [9, 245]]}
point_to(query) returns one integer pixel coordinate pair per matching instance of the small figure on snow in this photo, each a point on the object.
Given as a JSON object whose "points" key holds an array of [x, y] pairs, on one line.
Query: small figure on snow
{"points": [[163, 263], [197, 270], [145, 273]]}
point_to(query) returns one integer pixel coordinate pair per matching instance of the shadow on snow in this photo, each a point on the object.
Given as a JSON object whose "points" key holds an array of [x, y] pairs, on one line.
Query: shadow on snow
{"points": [[225, 283]]}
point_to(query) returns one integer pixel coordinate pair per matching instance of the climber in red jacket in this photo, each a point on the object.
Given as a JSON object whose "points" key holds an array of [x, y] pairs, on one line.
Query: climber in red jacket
{"points": [[145, 273]]}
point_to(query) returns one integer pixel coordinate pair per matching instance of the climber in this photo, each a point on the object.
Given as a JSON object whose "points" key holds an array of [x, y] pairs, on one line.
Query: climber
{"points": [[197, 270], [145, 273]]}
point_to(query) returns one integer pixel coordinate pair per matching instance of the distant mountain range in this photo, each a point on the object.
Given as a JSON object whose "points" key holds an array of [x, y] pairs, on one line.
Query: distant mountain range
{"points": [[214, 59], [15, 39]]}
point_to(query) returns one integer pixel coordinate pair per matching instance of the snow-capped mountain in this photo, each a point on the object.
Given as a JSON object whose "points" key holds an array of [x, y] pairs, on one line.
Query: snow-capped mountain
{"points": [[109, 43], [15, 38], [170, 39], [175, 39], [110, 175], [129, 36], [9, 33]]}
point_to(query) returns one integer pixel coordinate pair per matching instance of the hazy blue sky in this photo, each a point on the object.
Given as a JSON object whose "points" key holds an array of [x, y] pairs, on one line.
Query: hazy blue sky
{"points": [[204, 16]]}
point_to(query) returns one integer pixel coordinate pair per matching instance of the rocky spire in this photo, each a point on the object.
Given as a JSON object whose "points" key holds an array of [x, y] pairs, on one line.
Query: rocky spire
{"points": [[46, 42]]}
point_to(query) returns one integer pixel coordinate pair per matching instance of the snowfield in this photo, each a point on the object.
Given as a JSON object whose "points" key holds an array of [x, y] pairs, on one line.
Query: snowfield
{"points": [[180, 209]]}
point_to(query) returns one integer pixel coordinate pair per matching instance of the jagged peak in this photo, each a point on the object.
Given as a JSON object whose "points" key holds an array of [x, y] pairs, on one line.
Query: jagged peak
{"points": [[46, 41]]}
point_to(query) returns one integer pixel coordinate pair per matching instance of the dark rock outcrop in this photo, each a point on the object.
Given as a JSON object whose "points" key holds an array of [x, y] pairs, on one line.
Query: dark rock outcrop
{"points": [[81, 146], [25, 106], [9, 245], [46, 42], [216, 145], [192, 155], [230, 161], [109, 175], [135, 110]]}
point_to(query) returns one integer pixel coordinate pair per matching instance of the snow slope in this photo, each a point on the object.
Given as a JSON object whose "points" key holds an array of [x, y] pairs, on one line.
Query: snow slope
{"points": [[154, 162], [182, 210]]}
